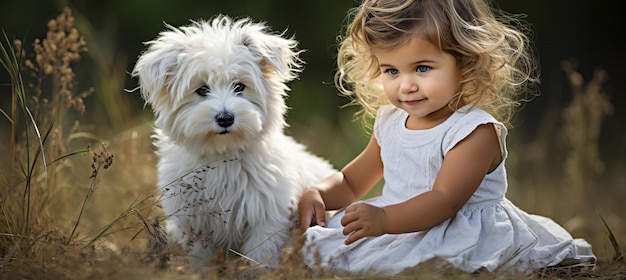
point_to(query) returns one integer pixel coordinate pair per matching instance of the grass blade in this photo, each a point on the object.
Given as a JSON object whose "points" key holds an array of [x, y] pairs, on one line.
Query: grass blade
{"points": [[77, 152], [618, 251], [6, 116]]}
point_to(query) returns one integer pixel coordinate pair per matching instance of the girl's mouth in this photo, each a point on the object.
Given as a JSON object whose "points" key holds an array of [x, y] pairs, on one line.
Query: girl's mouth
{"points": [[412, 102]]}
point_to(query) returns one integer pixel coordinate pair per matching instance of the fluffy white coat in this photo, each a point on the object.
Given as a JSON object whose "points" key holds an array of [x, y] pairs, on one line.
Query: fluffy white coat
{"points": [[230, 178]]}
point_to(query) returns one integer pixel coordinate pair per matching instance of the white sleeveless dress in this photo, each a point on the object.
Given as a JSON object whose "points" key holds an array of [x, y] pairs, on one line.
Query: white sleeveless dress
{"points": [[489, 232]]}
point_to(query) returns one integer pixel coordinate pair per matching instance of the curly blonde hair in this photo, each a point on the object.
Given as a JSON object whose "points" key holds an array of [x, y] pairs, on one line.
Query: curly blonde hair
{"points": [[492, 48]]}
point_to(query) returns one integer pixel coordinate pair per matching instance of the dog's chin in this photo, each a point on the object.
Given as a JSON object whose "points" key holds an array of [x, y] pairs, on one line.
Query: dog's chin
{"points": [[221, 142]]}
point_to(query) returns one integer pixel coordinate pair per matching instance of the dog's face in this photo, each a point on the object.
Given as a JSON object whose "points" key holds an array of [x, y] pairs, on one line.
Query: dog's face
{"points": [[216, 86]]}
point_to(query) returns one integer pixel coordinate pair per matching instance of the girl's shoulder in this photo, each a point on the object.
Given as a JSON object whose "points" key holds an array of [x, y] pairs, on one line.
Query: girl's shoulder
{"points": [[468, 117], [465, 120]]}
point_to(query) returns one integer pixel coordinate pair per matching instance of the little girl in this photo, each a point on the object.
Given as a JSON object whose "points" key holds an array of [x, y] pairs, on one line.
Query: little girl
{"points": [[452, 72]]}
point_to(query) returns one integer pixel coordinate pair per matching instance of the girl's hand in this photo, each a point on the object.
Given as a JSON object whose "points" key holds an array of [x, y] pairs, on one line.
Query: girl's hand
{"points": [[363, 220], [311, 208]]}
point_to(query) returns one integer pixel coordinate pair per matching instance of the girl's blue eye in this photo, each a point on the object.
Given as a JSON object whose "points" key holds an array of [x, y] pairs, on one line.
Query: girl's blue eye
{"points": [[392, 71], [422, 69]]}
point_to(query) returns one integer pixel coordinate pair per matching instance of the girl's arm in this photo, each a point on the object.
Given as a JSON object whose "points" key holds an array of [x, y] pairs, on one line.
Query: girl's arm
{"points": [[463, 169], [342, 188]]}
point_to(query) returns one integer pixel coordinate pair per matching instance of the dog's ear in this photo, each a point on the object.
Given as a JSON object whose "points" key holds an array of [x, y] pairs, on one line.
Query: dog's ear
{"points": [[280, 55], [156, 66]]}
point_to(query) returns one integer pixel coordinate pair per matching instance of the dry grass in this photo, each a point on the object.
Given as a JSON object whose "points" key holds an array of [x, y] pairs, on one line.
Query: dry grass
{"points": [[70, 212]]}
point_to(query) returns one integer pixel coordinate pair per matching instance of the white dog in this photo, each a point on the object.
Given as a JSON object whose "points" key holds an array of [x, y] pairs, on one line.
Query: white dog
{"points": [[230, 178]]}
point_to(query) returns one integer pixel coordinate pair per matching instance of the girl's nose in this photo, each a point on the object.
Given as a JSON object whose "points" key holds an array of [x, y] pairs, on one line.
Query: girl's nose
{"points": [[408, 84]]}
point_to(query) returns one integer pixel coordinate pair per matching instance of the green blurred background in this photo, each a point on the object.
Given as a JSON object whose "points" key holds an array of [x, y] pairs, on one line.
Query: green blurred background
{"points": [[586, 32], [582, 32]]}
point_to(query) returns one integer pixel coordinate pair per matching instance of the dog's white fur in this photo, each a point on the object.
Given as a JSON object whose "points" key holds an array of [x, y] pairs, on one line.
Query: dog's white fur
{"points": [[230, 178]]}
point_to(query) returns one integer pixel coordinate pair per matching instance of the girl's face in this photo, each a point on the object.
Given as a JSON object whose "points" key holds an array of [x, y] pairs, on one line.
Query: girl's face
{"points": [[421, 80]]}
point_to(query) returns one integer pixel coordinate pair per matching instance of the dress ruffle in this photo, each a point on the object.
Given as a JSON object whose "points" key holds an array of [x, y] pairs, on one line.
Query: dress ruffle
{"points": [[495, 236]]}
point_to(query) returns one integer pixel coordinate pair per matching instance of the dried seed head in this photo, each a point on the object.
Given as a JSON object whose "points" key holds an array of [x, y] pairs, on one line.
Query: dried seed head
{"points": [[102, 159]]}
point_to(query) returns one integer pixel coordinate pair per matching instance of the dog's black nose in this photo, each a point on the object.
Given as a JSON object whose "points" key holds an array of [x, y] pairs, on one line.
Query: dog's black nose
{"points": [[225, 119]]}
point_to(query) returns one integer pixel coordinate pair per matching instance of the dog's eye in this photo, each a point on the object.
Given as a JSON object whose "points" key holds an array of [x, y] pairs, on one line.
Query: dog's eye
{"points": [[239, 87], [203, 90]]}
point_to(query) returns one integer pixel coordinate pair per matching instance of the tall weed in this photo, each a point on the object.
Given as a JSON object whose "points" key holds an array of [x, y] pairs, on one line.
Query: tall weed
{"points": [[43, 100], [582, 122]]}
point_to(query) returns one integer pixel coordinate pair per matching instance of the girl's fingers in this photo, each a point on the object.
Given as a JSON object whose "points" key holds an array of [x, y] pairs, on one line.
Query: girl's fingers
{"points": [[353, 237], [305, 220], [346, 229], [349, 223], [347, 218], [320, 215]]}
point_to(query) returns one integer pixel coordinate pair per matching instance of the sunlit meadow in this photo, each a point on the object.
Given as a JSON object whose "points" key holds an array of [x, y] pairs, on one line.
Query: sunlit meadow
{"points": [[79, 200]]}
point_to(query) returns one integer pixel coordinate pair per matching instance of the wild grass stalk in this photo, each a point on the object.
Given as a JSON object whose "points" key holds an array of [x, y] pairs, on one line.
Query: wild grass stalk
{"points": [[11, 62], [139, 203], [582, 123], [37, 140], [619, 254], [101, 160]]}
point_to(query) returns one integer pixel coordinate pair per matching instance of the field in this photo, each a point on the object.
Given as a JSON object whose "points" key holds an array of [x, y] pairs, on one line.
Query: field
{"points": [[78, 195]]}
